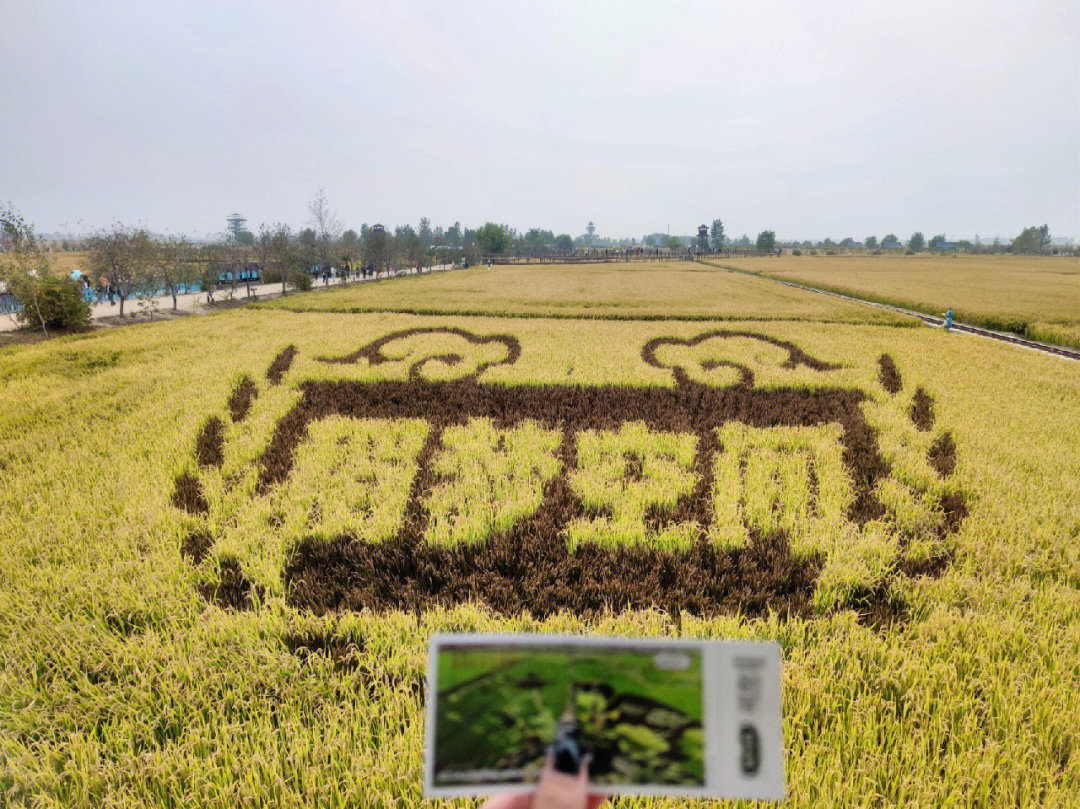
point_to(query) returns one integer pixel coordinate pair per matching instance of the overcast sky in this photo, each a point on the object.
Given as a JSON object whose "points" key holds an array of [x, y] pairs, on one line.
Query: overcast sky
{"points": [[960, 117]]}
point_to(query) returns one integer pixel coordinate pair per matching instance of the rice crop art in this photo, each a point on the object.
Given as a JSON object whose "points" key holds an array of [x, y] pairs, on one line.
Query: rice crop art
{"points": [[717, 493]]}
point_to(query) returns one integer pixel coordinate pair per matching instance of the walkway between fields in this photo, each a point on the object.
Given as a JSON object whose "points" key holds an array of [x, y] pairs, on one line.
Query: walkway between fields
{"points": [[196, 302], [930, 320]]}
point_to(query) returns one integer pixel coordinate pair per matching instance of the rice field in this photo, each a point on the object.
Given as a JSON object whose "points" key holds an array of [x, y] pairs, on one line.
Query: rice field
{"points": [[1036, 296], [227, 539], [634, 290]]}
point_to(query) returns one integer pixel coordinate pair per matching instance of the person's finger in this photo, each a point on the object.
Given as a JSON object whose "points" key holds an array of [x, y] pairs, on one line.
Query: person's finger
{"points": [[583, 768], [549, 763]]}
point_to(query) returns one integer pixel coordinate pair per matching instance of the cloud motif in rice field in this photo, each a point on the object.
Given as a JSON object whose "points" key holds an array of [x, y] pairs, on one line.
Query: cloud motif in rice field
{"points": [[712, 494]]}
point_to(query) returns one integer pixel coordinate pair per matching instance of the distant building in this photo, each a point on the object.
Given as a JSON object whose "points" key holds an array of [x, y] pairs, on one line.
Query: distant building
{"points": [[891, 244]]}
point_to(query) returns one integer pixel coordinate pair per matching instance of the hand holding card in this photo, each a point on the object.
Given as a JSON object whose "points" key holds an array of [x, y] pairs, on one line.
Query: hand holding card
{"points": [[555, 790], [650, 717]]}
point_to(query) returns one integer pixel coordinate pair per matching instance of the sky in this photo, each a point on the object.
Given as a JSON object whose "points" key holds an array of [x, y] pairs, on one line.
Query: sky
{"points": [[810, 119]]}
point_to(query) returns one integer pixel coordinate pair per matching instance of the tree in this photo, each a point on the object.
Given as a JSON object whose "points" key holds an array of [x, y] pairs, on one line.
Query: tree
{"points": [[123, 256], [1032, 240], [280, 258], [564, 242], [326, 225], [871, 243], [374, 244], [425, 233], [936, 242], [212, 263], [307, 247], [470, 246], [766, 241], [537, 240], [350, 247], [493, 239], [890, 238], [174, 260], [716, 235], [673, 243], [407, 246], [236, 261], [48, 300], [916, 242]]}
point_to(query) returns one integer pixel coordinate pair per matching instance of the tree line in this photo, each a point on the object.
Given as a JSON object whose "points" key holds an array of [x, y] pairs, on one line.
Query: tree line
{"points": [[1031, 241], [131, 262]]}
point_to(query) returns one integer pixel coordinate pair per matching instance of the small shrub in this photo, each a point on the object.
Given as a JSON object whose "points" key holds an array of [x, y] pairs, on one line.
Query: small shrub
{"points": [[796, 252], [302, 281], [60, 303]]}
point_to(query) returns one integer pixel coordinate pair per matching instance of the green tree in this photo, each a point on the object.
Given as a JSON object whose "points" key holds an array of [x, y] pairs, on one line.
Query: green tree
{"points": [[425, 233], [537, 240], [564, 242], [673, 243], [350, 247], [1032, 240], [173, 260], [48, 300], [280, 257], [766, 241], [890, 238], [937, 241], [916, 242], [871, 243], [716, 235], [375, 246], [407, 246], [124, 257], [493, 239]]}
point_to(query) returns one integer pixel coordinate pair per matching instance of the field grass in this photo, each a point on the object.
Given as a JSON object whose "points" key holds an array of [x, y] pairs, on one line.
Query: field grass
{"points": [[633, 290], [923, 665], [64, 261], [1035, 296]]}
